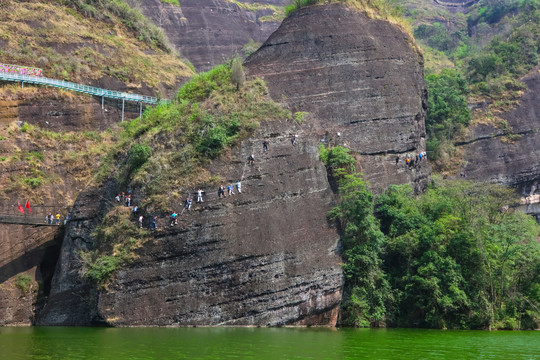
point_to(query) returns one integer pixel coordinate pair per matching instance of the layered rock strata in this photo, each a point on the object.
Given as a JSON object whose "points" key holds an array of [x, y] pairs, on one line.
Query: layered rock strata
{"points": [[208, 32], [360, 80], [509, 154], [267, 256]]}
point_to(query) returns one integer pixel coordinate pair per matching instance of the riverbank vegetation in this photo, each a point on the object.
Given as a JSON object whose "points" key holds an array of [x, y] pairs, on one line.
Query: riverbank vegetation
{"points": [[456, 256]]}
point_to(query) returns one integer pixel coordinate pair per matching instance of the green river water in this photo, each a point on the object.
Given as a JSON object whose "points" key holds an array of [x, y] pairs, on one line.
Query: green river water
{"points": [[264, 343]]}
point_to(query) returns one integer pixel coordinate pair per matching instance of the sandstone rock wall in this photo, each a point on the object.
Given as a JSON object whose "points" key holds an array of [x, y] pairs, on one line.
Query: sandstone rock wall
{"points": [[491, 155], [268, 256], [208, 32], [358, 77]]}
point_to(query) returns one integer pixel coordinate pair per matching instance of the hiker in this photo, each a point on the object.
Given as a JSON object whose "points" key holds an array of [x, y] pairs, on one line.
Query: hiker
{"points": [[135, 209], [49, 219], [397, 159], [141, 218], [128, 200], [265, 145], [251, 159], [66, 219], [407, 161], [230, 190], [154, 223], [123, 197], [57, 219], [239, 187], [174, 219], [221, 192], [117, 198], [416, 159], [199, 196], [188, 204], [294, 138]]}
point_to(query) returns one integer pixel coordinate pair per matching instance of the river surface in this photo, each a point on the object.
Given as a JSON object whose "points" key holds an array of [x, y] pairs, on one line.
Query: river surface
{"points": [[264, 343]]}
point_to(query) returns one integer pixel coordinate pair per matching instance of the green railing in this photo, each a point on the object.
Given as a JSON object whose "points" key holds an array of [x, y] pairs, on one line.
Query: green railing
{"points": [[78, 87]]}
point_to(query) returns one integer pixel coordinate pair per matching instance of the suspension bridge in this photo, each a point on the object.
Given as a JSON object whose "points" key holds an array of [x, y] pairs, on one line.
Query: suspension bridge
{"points": [[19, 74]]}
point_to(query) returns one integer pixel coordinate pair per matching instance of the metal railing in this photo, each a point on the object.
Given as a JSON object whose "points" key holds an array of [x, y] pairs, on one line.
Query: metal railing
{"points": [[78, 87]]}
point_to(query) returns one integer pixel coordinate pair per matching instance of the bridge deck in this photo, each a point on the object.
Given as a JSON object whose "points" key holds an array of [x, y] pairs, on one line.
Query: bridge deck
{"points": [[78, 87]]}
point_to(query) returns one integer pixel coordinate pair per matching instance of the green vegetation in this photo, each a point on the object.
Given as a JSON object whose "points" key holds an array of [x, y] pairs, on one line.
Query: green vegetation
{"points": [[172, 2], [163, 152], [277, 11], [81, 40], [117, 238], [447, 113], [130, 16], [251, 47], [378, 9], [489, 49], [212, 112], [23, 282], [454, 257]]}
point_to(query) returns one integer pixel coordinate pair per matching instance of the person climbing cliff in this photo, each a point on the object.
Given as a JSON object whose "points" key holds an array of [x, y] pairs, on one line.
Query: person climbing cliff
{"points": [[154, 223], [199, 196], [230, 190], [239, 187], [221, 192], [174, 218], [187, 206], [265, 145], [141, 218], [251, 159], [294, 138]]}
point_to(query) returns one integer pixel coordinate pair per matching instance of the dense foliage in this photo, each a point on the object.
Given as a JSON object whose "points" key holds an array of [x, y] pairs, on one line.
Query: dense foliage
{"points": [[447, 111], [489, 48], [454, 257]]}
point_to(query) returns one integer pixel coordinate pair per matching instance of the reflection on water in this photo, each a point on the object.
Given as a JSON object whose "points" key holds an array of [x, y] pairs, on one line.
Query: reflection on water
{"points": [[263, 343]]}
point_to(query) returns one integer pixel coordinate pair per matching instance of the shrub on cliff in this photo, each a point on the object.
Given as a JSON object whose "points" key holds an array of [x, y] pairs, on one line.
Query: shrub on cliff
{"points": [[208, 116], [117, 238]]}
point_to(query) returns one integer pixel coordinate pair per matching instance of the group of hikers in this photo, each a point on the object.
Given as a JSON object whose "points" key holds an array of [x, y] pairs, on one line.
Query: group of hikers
{"points": [[19, 70], [50, 219], [231, 188], [412, 160], [124, 198]]}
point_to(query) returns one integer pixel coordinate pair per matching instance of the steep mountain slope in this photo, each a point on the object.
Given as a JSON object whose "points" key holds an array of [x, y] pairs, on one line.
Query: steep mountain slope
{"points": [[508, 152], [268, 256], [207, 32], [51, 140], [360, 89]]}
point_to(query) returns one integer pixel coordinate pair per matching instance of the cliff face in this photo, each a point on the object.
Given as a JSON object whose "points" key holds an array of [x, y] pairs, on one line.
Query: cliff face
{"points": [[355, 76], [492, 155], [208, 32], [268, 256]]}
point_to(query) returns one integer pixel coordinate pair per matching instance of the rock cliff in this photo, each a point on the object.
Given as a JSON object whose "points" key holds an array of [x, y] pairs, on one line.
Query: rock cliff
{"points": [[268, 256], [357, 77], [207, 32], [509, 154]]}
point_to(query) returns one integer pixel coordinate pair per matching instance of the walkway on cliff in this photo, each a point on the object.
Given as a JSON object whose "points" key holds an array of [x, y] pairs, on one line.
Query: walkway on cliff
{"points": [[77, 87], [91, 90]]}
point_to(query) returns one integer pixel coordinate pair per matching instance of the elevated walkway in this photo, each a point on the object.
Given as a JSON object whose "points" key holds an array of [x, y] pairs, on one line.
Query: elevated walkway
{"points": [[25, 220], [104, 93]]}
